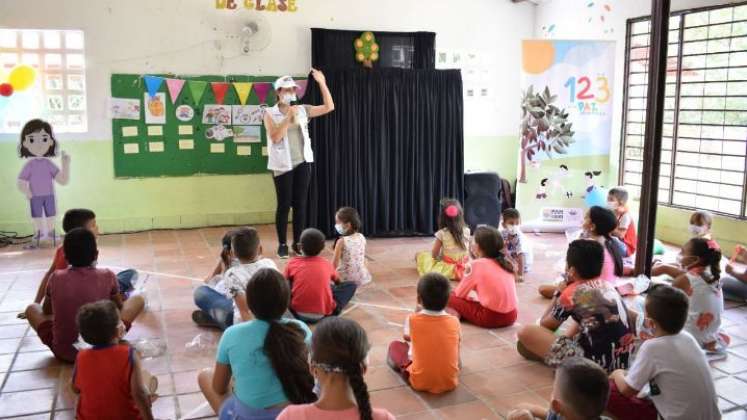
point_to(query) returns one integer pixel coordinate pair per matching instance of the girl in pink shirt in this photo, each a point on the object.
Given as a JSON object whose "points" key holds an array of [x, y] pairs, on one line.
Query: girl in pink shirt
{"points": [[491, 278], [339, 351]]}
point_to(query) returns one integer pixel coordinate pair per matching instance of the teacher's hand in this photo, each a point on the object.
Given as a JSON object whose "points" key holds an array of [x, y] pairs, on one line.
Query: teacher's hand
{"points": [[292, 111], [318, 76]]}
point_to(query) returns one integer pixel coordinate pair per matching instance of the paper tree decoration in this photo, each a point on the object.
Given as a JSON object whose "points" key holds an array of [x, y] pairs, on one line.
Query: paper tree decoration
{"points": [[366, 49]]}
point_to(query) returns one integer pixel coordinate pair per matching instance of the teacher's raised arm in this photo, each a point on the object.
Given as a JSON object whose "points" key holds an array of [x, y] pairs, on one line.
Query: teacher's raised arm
{"points": [[290, 154]]}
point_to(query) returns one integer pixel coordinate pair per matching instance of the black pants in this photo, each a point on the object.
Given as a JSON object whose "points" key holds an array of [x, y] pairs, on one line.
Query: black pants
{"points": [[292, 190]]}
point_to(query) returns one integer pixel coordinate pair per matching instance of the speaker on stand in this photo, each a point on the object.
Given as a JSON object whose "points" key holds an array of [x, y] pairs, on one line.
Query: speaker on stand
{"points": [[482, 199]]}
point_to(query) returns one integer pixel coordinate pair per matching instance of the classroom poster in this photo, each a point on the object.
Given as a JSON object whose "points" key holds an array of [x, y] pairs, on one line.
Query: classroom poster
{"points": [[155, 108], [566, 109]]}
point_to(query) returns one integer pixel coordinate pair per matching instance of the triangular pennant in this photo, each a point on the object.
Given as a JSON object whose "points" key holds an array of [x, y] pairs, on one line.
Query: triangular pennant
{"points": [[261, 89], [175, 87], [197, 88], [152, 84], [301, 88], [242, 90], [219, 91]]}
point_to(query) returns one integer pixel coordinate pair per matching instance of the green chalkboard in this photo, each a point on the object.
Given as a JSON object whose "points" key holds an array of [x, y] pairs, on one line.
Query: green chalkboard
{"points": [[161, 155]]}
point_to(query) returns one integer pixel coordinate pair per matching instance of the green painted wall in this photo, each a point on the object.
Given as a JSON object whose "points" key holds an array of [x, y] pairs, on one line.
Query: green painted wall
{"points": [[138, 204]]}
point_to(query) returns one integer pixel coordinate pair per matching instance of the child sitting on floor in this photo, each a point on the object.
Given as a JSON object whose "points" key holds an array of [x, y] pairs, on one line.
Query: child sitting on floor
{"points": [[350, 249], [701, 260], [313, 297], [617, 201], [339, 358], [108, 377], [671, 365], [700, 227], [580, 392], [267, 357], [734, 283], [516, 246], [73, 287], [603, 329], [431, 362], [491, 277], [225, 304], [450, 250], [81, 218], [599, 223]]}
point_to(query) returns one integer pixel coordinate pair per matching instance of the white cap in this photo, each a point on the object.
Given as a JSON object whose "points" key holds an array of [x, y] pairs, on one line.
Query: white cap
{"points": [[284, 82]]}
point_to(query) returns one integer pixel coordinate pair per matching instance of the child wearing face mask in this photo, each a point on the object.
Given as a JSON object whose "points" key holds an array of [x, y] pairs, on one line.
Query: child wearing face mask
{"points": [[617, 200], [350, 249], [516, 248], [701, 259], [699, 227]]}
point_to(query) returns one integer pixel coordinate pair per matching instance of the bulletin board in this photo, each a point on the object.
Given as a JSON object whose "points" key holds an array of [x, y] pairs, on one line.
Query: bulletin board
{"points": [[180, 146]]}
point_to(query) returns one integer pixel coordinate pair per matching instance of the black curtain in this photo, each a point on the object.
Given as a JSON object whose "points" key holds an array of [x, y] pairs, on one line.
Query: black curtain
{"points": [[393, 147], [332, 48]]}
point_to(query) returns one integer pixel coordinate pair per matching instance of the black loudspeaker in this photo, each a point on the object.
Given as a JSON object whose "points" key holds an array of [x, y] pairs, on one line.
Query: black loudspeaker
{"points": [[482, 199]]}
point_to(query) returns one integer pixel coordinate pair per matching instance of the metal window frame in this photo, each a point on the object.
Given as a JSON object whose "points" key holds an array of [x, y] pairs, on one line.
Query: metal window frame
{"points": [[677, 97]]}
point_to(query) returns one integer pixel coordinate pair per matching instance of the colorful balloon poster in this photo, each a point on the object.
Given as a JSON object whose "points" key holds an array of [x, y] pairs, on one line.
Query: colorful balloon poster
{"points": [[566, 124]]}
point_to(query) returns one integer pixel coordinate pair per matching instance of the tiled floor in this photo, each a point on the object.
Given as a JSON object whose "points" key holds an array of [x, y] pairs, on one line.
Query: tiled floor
{"points": [[34, 386]]}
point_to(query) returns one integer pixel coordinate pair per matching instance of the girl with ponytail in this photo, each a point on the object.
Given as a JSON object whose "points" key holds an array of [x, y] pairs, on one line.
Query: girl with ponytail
{"points": [[701, 259], [599, 223], [339, 351], [491, 276], [450, 251], [268, 357]]}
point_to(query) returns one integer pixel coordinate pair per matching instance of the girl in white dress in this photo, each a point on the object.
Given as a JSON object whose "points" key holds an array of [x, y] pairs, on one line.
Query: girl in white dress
{"points": [[350, 249]]}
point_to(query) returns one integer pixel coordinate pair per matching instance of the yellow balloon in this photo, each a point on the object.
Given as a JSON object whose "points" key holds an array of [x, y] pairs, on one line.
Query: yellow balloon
{"points": [[22, 77]]}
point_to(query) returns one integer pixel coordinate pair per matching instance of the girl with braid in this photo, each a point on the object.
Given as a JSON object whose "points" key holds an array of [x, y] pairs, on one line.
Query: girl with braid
{"points": [[339, 351], [267, 357]]}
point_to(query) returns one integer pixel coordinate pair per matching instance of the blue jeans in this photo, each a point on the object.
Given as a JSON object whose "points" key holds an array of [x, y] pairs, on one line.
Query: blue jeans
{"points": [[342, 293], [215, 305], [125, 279], [734, 289]]}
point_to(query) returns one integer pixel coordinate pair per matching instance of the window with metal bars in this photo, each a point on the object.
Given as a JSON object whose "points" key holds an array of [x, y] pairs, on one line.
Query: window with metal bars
{"points": [[58, 93], [704, 145]]}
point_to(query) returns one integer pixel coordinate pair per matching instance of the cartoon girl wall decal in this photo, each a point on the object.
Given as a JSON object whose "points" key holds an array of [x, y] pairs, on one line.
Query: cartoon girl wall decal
{"points": [[542, 190], [36, 180]]}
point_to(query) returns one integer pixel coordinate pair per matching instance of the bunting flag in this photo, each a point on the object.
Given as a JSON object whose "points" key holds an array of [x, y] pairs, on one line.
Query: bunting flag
{"points": [[197, 88], [301, 88], [175, 87], [262, 89], [219, 91], [242, 90], [152, 84]]}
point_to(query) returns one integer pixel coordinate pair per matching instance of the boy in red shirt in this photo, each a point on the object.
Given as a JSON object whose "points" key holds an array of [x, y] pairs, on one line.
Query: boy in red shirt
{"points": [[316, 289], [80, 218], [108, 376], [71, 288]]}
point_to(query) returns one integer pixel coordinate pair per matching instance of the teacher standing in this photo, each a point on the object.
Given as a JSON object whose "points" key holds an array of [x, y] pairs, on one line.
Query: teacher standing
{"points": [[290, 154]]}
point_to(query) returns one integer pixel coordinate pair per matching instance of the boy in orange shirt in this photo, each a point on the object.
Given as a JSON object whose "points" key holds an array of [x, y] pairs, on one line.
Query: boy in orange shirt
{"points": [[431, 361]]}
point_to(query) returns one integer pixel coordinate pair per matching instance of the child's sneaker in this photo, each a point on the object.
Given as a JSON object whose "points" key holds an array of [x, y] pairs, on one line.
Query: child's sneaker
{"points": [[283, 251], [203, 320]]}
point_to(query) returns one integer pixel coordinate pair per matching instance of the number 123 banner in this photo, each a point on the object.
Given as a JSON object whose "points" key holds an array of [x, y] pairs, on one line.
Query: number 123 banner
{"points": [[565, 129]]}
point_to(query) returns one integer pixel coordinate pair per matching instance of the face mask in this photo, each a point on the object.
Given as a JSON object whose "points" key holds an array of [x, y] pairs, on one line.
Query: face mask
{"points": [[340, 229], [696, 230], [612, 205], [287, 98], [512, 229]]}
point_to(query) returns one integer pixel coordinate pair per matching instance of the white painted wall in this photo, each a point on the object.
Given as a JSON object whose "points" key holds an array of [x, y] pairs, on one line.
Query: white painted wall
{"points": [[571, 20], [191, 37]]}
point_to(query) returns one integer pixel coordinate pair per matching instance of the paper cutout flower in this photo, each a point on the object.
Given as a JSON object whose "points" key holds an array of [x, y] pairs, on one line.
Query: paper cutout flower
{"points": [[366, 49]]}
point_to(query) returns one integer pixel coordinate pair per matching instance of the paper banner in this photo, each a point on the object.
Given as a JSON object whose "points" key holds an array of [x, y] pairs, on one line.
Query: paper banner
{"points": [[152, 84], [242, 90], [175, 87], [197, 88], [219, 90], [301, 89], [262, 89]]}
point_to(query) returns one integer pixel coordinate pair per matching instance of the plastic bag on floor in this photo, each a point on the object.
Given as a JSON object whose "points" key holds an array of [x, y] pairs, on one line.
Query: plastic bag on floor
{"points": [[149, 348], [203, 343]]}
